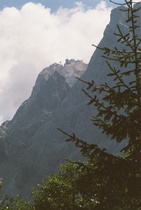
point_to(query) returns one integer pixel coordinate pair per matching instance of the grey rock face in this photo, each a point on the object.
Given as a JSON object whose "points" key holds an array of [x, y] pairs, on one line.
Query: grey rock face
{"points": [[22, 145], [32, 146]]}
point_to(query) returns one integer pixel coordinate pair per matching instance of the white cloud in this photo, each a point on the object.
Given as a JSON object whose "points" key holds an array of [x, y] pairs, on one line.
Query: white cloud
{"points": [[33, 38], [137, 1]]}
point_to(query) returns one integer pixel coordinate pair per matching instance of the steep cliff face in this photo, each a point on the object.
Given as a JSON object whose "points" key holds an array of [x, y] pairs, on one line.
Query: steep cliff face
{"points": [[32, 145], [22, 145], [51, 87]]}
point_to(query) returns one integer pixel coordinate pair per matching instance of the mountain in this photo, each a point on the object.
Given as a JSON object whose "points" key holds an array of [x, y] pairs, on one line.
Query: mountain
{"points": [[19, 138], [32, 147]]}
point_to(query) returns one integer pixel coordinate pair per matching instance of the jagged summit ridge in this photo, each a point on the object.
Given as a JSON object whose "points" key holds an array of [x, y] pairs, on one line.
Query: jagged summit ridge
{"points": [[70, 70]]}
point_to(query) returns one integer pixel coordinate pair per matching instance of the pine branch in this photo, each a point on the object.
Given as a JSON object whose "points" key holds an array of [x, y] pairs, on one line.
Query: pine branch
{"points": [[125, 38], [85, 148], [92, 85], [116, 51], [119, 4], [116, 73]]}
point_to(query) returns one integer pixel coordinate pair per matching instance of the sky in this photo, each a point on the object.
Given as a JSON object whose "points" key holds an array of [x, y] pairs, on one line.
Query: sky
{"points": [[36, 34], [53, 4]]}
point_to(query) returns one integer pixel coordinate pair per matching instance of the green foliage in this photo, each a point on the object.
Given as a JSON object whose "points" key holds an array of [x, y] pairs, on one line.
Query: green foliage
{"points": [[112, 182], [61, 191], [14, 203]]}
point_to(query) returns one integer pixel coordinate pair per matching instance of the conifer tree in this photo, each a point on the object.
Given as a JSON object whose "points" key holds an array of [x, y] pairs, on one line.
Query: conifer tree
{"points": [[115, 182]]}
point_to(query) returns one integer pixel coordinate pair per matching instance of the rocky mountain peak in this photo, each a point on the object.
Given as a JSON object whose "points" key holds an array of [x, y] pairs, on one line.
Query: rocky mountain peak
{"points": [[70, 70]]}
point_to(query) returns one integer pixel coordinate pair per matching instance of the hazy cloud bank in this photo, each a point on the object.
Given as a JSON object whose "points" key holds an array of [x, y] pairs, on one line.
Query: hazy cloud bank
{"points": [[33, 38]]}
